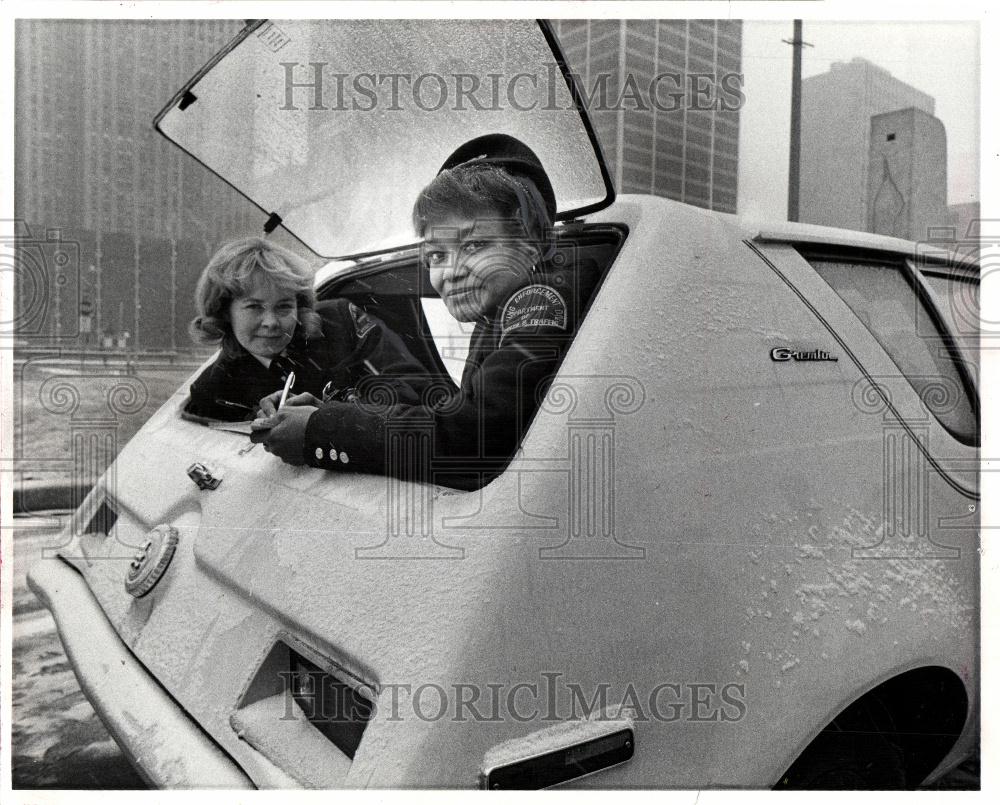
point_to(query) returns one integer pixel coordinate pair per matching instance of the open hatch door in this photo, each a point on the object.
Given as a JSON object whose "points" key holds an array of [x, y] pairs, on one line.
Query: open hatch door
{"points": [[332, 127]]}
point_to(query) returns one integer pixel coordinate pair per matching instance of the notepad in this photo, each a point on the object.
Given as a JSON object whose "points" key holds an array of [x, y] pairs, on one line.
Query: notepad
{"points": [[233, 427]]}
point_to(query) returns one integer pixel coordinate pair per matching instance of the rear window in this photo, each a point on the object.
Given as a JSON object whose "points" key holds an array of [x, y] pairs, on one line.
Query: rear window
{"points": [[886, 297], [343, 122]]}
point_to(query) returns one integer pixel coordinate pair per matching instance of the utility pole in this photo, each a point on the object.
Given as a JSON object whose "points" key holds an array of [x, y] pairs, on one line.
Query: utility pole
{"points": [[98, 300], [795, 140], [173, 294]]}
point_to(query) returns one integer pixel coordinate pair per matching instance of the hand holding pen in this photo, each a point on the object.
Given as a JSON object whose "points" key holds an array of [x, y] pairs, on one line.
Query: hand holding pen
{"points": [[282, 427], [270, 404]]}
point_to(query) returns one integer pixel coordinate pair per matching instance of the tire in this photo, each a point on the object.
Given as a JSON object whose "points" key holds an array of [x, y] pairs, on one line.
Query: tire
{"points": [[855, 751]]}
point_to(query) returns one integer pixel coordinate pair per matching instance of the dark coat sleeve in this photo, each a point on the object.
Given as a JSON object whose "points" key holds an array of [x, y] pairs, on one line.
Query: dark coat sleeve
{"points": [[355, 353], [382, 369], [471, 434], [229, 389]]}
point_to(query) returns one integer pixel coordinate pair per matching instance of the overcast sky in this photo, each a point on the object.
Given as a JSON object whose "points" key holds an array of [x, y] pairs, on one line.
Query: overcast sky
{"points": [[939, 58]]}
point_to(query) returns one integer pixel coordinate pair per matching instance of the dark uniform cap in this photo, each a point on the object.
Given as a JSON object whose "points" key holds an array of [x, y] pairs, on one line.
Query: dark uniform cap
{"points": [[510, 154]]}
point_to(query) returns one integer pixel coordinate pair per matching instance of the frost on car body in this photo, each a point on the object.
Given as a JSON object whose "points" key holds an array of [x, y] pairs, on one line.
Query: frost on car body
{"points": [[692, 536]]}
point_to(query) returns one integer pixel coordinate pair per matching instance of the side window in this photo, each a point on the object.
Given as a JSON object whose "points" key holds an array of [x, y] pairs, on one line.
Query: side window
{"points": [[958, 300], [451, 337], [885, 296]]}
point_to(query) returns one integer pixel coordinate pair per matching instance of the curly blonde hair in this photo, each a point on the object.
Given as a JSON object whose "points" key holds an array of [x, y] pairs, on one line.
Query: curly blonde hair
{"points": [[231, 273]]}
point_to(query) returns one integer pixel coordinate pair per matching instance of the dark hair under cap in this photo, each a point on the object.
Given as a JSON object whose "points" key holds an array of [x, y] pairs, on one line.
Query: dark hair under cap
{"points": [[513, 156], [485, 191]]}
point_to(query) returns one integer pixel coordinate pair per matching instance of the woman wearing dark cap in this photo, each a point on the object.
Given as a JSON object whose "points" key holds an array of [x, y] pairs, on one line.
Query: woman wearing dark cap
{"points": [[486, 221]]}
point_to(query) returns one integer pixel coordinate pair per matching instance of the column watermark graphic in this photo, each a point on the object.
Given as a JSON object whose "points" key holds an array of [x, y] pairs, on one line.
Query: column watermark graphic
{"points": [[909, 469]]}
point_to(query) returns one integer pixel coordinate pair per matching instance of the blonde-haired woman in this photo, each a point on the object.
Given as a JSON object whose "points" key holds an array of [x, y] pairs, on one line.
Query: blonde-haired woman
{"points": [[255, 300]]}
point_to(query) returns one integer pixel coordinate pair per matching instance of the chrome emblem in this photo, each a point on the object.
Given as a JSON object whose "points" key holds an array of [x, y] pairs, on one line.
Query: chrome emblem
{"points": [[151, 561], [785, 354]]}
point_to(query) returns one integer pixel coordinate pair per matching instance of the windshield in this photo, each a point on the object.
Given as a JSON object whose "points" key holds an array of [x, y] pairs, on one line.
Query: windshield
{"points": [[336, 125]]}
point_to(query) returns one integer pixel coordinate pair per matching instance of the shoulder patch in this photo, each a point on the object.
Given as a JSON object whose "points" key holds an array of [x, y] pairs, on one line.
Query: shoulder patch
{"points": [[533, 306], [363, 323]]}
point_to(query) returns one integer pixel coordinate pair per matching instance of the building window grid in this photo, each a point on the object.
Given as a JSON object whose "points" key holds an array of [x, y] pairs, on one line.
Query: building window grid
{"points": [[725, 128], [608, 35], [701, 54], [663, 48], [728, 42], [641, 139], [631, 127], [573, 41], [637, 31], [700, 139], [671, 53], [642, 66], [702, 27], [702, 66], [58, 187], [684, 119], [726, 164], [620, 123], [654, 150], [637, 157], [711, 159]]}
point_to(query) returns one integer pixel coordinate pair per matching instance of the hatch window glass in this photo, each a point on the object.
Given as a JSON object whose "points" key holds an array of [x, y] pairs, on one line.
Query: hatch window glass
{"points": [[336, 125], [883, 297]]}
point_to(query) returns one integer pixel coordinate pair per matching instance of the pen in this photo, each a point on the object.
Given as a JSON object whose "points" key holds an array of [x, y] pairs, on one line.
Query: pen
{"points": [[284, 396], [284, 392], [230, 404]]}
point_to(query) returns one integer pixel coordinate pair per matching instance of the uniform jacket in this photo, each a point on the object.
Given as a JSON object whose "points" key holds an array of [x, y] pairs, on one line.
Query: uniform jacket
{"points": [[459, 437], [231, 388]]}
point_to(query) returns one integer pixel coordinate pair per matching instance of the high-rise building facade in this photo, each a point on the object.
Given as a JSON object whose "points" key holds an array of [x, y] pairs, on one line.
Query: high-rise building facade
{"points": [[668, 115], [91, 170], [964, 218], [837, 111], [907, 175], [86, 152]]}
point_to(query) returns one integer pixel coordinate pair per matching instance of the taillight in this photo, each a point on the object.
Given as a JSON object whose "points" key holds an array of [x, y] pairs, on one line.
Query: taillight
{"points": [[332, 706]]}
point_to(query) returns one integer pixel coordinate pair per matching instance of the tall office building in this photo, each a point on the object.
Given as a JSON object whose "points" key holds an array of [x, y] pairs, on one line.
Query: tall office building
{"points": [[141, 215], [839, 183], [664, 98], [907, 175], [964, 218]]}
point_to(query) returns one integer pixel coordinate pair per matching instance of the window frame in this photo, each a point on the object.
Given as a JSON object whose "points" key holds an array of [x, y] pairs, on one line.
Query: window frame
{"points": [[925, 296]]}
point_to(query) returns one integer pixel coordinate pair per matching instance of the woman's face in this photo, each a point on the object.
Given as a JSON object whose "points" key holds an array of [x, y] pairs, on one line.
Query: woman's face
{"points": [[476, 264], [264, 319]]}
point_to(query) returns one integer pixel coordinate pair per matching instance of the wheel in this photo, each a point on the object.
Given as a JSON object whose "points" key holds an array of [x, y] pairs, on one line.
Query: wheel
{"points": [[856, 750]]}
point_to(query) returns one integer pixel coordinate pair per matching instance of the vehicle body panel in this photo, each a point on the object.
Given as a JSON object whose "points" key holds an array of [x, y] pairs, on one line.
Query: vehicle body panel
{"points": [[684, 512], [165, 746], [691, 537]]}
